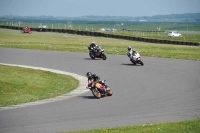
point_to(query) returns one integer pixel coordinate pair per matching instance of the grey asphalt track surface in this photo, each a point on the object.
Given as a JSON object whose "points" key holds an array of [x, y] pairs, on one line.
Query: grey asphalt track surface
{"points": [[163, 90]]}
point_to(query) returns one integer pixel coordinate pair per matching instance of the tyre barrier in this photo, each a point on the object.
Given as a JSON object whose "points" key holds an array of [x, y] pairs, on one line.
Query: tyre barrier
{"points": [[46, 30], [175, 42], [96, 33], [100, 34], [144, 39], [105, 35], [69, 31], [165, 41], [87, 33], [91, 33], [50, 30], [54, 30], [115, 36], [78, 32], [38, 29], [183, 43], [157, 40], [153, 40], [59, 30], [64, 31], [127, 37], [131, 38], [169, 42], [41, 29], [134, 38], [33, 29], [187, 43], [162, 41], [179, 43], [14, 27], [83, 33], [197, 44], [139, 39], [108, 35], [73, 31]]}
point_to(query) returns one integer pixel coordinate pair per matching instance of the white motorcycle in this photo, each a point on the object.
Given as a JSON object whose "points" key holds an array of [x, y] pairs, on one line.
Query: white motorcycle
{"points": [[135, 58]]}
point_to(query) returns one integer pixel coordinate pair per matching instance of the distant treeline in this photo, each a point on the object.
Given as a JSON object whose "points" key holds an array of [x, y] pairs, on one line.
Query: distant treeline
{"points": [[179, 18]]}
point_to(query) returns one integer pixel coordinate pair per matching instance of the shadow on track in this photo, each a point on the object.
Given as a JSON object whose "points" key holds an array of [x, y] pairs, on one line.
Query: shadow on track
{"points": [[92, 59], [130, 64], [91, 97], [88, 97]]}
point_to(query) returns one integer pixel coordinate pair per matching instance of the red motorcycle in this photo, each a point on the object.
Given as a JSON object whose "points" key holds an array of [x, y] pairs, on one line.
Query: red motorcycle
{"points": [[100, 89], [26, 30]]}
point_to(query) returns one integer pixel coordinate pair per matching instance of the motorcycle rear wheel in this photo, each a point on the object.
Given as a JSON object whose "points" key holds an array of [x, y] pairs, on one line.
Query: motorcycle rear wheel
{"points": [[96, 93], [92, 55], [133, 62]]}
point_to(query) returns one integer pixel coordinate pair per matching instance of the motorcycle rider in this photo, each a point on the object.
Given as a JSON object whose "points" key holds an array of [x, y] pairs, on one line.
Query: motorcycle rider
{"points": [[25, 29], [93, 79], [130, 53], [93, 47]]}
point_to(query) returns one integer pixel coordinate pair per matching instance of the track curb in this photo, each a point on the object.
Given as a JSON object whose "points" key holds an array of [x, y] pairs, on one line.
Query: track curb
{"points": [[80, 90]]}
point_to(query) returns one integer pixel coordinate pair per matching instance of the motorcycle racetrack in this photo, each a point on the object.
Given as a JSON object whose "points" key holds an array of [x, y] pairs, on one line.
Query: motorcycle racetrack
{"points": [[163, 90]]}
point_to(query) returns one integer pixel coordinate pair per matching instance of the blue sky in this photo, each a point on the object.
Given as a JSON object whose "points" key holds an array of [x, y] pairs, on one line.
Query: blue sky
{"points": [[76, 8]]}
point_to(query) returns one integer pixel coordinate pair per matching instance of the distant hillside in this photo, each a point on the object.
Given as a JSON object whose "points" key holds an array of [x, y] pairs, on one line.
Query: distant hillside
{"points": [[187, 17]]}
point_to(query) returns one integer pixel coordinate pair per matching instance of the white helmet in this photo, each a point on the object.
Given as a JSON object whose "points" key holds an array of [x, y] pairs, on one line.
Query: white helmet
{"points": [[129, 48]]}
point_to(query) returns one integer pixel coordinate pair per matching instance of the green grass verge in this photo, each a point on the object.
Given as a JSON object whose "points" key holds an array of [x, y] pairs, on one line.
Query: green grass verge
{"points": [[21, 85], [190, 126], [186, 37], [76, 43], [73, 43]]}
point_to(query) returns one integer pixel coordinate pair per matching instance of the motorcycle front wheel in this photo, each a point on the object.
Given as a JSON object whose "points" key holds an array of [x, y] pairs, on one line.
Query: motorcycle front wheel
{"points": [[96, 93], [109, 91], [141, 63], [103, 56]]}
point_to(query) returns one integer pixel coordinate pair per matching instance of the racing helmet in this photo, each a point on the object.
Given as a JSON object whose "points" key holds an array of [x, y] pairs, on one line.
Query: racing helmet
{"points": [[94, 44], [129, 48], [89, 74]]}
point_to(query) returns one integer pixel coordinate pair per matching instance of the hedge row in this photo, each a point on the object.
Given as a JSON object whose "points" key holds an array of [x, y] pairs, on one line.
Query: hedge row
{"points": [[100, 34]]}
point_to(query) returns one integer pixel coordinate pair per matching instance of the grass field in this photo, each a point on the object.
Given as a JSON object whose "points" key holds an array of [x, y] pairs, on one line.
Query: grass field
{"points": [[186, 37], [117, 25], [190, 32], [192, 126], [23, 85], [77, 43]]}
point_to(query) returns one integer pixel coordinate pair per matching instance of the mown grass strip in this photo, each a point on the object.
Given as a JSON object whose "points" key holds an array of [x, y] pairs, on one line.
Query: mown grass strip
{"points": [[189, 126], [21, 85], [76, 43]]}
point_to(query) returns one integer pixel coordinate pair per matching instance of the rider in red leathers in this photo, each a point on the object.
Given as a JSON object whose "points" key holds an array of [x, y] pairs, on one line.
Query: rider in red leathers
{"points": [[92, 80]]}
